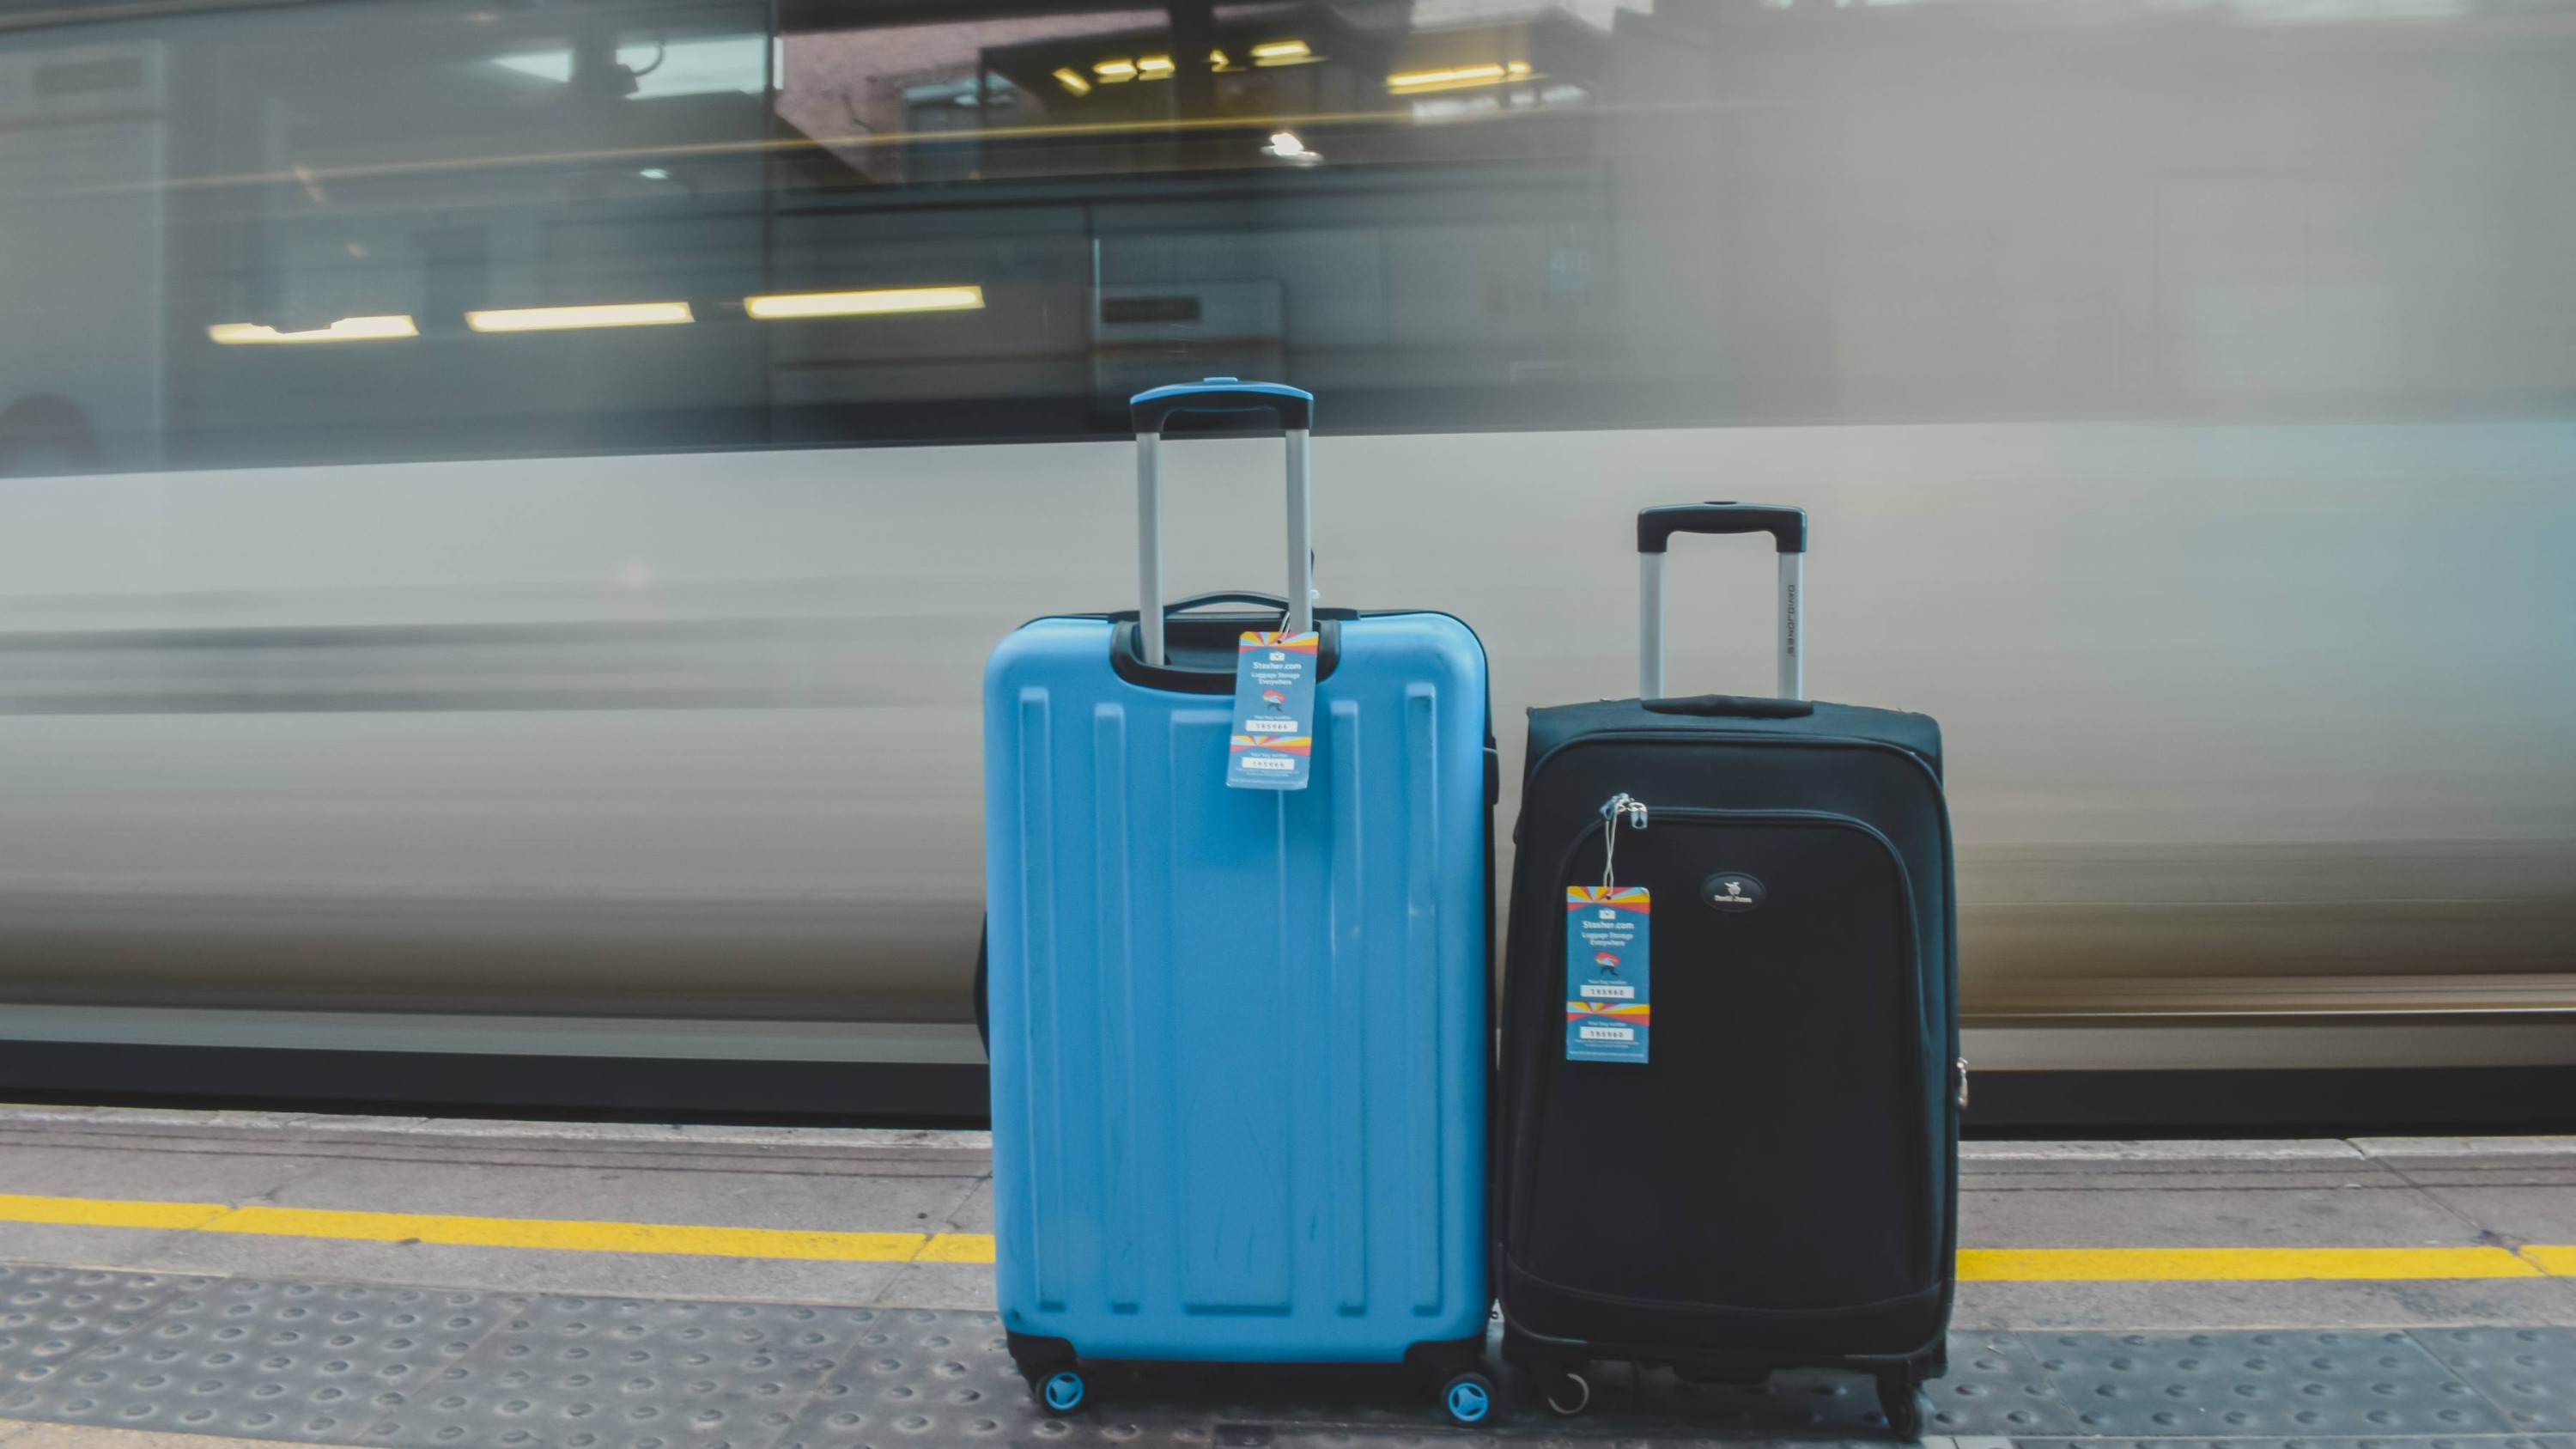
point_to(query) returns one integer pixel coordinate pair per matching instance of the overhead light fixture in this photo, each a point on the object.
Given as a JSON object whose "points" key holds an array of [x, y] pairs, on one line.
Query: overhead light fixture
{"points": [[551, 319], [785, 305], [1217, 61], [1282, 52], [1113, 71], [1286, 146], [1459, 77], [741, 63], [347, 329], [1072, 80], [1154, 67]]}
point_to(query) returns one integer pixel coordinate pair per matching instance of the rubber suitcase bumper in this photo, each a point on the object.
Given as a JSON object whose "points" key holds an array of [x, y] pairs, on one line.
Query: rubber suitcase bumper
{"points": [[1776, 1185], [1238, 1037]]}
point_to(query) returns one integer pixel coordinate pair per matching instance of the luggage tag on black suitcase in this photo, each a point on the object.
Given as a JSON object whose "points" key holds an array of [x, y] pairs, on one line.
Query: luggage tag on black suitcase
{"points": [[1608, 976], [1274, 710]]}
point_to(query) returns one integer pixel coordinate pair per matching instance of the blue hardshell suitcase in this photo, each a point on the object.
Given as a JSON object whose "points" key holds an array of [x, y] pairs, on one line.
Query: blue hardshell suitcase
{"points": [[1238, 1036]]}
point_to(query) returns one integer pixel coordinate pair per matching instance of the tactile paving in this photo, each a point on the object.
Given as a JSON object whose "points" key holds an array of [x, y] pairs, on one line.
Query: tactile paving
{"points": [[1995, 1387], [630, 1373], [316, 1362], [2529, 1373], [2452, 1441], [49, 1316], [922, 1376], [2228, 1385], [422, 1368]]}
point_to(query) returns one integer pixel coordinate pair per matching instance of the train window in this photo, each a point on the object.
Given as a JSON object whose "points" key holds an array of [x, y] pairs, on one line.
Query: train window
{"points": [[389, 229]]}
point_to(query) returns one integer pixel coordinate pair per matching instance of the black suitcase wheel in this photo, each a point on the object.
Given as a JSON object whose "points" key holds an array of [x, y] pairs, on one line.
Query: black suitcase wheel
{"points": [[1468, 1398], [1567, 1392], [1904, 1408], [1063, 1392]]}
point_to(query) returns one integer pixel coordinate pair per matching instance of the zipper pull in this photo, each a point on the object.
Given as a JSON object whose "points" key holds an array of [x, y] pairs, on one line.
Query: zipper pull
{"points": [[1620, 805]]}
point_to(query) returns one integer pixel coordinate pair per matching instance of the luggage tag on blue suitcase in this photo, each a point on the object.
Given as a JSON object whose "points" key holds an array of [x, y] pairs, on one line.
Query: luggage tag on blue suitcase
{"points": [[1274, 711]]}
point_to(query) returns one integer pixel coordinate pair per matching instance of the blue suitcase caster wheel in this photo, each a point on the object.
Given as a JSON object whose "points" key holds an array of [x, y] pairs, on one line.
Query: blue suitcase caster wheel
{"points": [[1063, 1391], [1468, 1399]]}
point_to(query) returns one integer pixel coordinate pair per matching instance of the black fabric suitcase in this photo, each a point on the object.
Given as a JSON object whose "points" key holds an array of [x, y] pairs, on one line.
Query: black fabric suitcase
{"points": [[1776, 1184]]}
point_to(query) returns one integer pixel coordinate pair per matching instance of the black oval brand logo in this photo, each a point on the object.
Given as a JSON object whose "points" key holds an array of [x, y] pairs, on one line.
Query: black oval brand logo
{"points": [[1732, 890]]}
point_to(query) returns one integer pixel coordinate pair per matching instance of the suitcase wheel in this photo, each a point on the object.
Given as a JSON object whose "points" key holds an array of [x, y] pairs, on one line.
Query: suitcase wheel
{"points": [[1468, 1398], [1903, 1406], [1063, 1391], [1568, 1392]]}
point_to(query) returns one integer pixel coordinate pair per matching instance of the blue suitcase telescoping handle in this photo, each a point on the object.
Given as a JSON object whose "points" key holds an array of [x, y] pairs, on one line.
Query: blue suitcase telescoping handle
{"points": [[1296, 411], [1656, 526]]}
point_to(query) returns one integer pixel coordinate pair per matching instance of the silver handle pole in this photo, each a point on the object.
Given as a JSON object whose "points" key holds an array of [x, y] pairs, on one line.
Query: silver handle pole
{"points": [[1650, 626], [1149, 547], [1301, 538], [1793, 649]]}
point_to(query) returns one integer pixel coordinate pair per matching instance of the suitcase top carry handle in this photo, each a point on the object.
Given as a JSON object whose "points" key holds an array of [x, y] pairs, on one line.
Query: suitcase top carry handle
{"points": [[1296, 410], [1655, 528], [1787, 526], [1295, 406]]}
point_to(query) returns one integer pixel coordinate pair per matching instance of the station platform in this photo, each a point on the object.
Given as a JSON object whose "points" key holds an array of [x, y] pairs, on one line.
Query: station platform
{"points": [[172, 1279]]}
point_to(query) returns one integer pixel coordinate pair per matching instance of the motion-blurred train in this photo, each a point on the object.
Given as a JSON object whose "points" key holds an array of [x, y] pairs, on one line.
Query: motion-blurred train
{"points": [[504, 505]]}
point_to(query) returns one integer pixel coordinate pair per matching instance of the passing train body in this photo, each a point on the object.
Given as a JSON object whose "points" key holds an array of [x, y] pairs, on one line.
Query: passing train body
{"points": [[504, 506]]}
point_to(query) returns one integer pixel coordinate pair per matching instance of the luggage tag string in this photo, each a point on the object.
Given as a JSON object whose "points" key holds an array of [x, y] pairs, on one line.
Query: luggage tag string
{"points": [[1620, 804]]}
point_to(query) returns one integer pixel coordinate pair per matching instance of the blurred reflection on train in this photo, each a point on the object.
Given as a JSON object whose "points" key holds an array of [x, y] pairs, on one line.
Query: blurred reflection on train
{"points": [[442, 608]]}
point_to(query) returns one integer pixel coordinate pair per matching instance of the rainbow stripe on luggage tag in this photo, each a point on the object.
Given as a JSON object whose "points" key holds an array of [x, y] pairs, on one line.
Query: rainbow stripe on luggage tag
{"points": [[1292, 745], [1305, 643], [1626, 898]]}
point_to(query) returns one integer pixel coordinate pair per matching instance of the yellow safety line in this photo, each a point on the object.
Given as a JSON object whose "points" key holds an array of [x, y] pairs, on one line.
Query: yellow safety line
{"points": [[562, 1234], [2141, 1265], [1982, 1265], [2555, 1259], [99, 1212]]}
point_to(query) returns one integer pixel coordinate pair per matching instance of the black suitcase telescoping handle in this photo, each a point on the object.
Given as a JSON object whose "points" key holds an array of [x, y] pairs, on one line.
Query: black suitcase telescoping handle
{"points": [[1656, 526], [1296, 411]]}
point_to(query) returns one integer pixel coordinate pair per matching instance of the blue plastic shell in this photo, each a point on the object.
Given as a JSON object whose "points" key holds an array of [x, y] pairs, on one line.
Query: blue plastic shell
{"points": [[1238, 1036]]}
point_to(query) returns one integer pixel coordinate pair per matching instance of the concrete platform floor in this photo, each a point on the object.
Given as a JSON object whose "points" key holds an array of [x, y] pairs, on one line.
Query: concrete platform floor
{"points": [[2076, 1257]]}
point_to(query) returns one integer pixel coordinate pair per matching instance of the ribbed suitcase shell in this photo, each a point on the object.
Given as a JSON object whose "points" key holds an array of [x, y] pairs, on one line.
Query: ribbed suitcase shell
{"points": [[1238, 1036], [1778, 1185]]}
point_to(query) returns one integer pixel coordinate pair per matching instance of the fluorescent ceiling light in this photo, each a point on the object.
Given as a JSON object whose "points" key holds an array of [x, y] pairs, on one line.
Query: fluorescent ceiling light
{"points": [[1155, 67], [709, 65], [1072, 80], [1280, 52], [1115, 70], [548, 319], [1217, 60], [347, 329], [864, 304], [1286, 146], [545, 65], [1458, 77]]}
